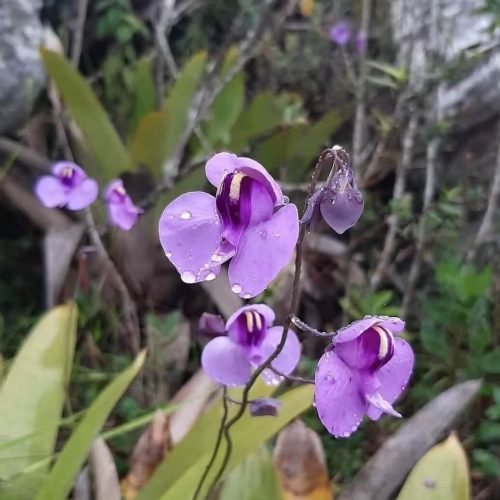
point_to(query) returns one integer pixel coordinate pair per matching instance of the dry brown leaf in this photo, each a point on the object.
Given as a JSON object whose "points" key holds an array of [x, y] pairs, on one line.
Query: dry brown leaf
{"points": [[300, 461], [148, 453], [104, 474], [306, 7]]}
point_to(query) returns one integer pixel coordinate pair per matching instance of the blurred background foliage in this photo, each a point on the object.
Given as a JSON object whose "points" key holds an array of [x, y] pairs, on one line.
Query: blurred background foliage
{"points": [[126, 104]]}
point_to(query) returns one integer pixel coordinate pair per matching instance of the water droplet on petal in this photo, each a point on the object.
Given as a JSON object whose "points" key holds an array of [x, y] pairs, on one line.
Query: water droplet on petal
{"points": [[210, 276], [286, 200], [168, 254], [346, 434], [353, 428], [236, 288], [185, 214], [329, 378], [247, 296], [358, 196], [188, 277], [277, 234]]}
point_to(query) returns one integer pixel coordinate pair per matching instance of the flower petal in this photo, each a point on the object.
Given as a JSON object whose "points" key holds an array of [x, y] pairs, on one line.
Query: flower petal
{"points": [[226, 362], [219, 165], [355, 329], [77, 172], [338, 400], [393, 376], [266, 311], [51, 192], [263, 251], [289, 357], [341, 210], [83, 195], [190, 235], [123, 214]]}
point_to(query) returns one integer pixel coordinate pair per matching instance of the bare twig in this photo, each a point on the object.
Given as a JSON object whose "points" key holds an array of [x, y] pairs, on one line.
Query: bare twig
{"points": [[398, 192], [486, 229], [430, 188], [25, 155], [309, 329], [76, 46], [359, 132], [292, 378]]}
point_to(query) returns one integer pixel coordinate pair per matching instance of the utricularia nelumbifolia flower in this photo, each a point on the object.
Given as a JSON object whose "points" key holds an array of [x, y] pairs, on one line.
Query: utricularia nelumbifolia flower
{"points": [[249, 340], [122, 212], [249, 221], [339, 201], [68, 186], [340, 33], [362, 373]]}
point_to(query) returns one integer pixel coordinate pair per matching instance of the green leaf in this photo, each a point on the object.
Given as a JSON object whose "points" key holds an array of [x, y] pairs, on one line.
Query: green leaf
{"points": [[441, 473], [180, 98], [102, 138], [227, 105], [62, 475], [32, 395], [261, 116], [144, 90], [398, 74], [253, 479], [149, 146], [490, 362], [248, 434], [198, 443]]}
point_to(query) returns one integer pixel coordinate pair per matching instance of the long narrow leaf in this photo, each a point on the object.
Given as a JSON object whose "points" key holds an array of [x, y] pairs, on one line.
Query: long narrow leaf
{"points": [[62, 475]]}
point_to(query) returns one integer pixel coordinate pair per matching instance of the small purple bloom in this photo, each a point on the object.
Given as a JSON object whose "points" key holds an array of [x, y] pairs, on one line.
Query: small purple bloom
{"points": [[68, 186], [340, 33], [340, 203], [362, 373], [247, 221], [211, 325], [360, 43], [249, 342], [263, 407], [122, 212]]}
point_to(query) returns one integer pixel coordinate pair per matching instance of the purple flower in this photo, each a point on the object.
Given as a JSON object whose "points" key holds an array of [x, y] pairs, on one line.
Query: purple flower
{"points": [[340, 33], [68, 186], [362, 373], [249, 342], [122, 212], [247, 221], [360, 43], [211, 325], [340, 202]]}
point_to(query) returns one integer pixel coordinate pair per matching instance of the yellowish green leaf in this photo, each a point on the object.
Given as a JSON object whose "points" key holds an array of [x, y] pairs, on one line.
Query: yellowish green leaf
{"points": [[441, 474], [33, 393], [144, 90]]}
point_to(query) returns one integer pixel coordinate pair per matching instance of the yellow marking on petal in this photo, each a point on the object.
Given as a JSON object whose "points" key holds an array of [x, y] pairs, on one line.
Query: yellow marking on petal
{"points": [[234, 189], [249, 317], [258, 320], [67, 172], [385, 336], [120, 189]]}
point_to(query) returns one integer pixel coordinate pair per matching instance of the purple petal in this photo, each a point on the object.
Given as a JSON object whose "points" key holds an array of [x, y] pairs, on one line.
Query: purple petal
{"points": [[379, 404], [338, 400], [263, 251], [341, 210], [115, 192], [77, 172], [312, 215], [355, 329], [211, 325], [83, 195], [266, 311], [50, 191], [262, 407], [340, 33], [361, 43], [219, 165], [393, 376], [289, 357], [190, 234], [123, 214], [226, 362]]}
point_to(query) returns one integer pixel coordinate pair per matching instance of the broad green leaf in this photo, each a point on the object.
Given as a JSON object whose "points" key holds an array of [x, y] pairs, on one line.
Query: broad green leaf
{"points": [[441, 474], [149, 146], [398, 74], [261, 116], [33, 393], [253, 479], [196, 445], [62, 475], [180, 98], [144, 91], [227, 105], [102, 138], [248, 434]]}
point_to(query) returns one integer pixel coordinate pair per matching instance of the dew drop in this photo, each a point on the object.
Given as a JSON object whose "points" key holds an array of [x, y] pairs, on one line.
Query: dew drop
{"points": [[210, 276], [236, 288], [349, 195], [168, 254], [188, 277], [346, 434], [358, 196], [286, 200], [185, 214], [329, 378], [277, 234], [353, 428], [247, 296]]}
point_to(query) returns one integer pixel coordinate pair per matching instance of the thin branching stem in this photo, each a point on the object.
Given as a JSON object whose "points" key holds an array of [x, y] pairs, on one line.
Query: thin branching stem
{"points": [[309, 329]]}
